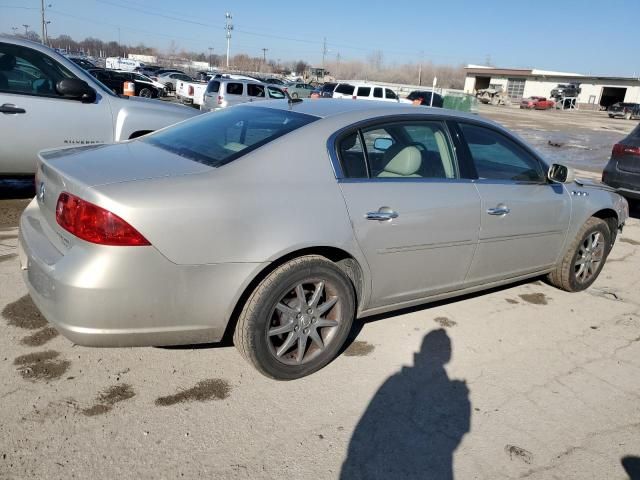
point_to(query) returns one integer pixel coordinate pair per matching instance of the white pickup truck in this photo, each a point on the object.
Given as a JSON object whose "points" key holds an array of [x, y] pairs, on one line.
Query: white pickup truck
{"points": [[47, 101], [190, 93]]}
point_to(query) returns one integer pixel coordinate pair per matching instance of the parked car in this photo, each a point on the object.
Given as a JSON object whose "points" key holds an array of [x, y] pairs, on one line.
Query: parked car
{"points": [[566, 90], [48, 101], [324, 91], [538, 103], [622, 172], [366, 91], [82, 62], [225, 92], [147, 70], [240, 222], [169, 80], [421, 97], [624, 110], [299, 90], [274, 81], [144, 87]]}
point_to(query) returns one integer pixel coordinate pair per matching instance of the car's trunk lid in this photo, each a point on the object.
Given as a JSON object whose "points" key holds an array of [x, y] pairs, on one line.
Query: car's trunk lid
{"points": [[77, 170]]}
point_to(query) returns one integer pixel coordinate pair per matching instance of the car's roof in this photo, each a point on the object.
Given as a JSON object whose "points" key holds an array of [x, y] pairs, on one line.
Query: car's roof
{"points": [[329, 107]]}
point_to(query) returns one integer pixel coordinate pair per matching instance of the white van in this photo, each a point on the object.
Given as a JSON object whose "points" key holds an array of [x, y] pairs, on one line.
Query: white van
{"points": [[226, 92], [366, 91], [127, 64]]}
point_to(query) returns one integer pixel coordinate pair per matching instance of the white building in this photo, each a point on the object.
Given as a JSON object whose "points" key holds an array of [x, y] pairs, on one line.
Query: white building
{"points": [[596, 91]]}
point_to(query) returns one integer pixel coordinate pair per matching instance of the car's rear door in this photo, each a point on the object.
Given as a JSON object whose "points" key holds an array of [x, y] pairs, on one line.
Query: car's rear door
{"points": [[524, 218], [413, 215], [34, 117]]}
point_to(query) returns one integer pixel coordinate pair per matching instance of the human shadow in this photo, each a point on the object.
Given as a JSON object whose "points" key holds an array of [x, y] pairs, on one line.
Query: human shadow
{"points": [[415, 421], [631, 465]]}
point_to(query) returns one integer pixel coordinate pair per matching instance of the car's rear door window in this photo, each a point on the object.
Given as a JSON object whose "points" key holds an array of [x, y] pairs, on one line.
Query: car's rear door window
{"points": [[363, 92], [254, 90], [377, 92], [234, 88], [496, 157], [218, 139], [276, 93]]}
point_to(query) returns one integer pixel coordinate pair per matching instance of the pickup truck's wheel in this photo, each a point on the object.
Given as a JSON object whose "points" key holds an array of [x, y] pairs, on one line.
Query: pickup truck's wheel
{"points": [[296, 319], [146, 93], [168, 86], [585, 257]]}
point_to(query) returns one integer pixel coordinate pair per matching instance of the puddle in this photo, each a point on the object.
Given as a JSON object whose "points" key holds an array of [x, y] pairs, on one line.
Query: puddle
{"points": [[24, 314], [519, 453], [41, 365], [512, 301], [444, 322], [211, 389], [359, 349], [40, 337], [534, 298], [108, 398]]}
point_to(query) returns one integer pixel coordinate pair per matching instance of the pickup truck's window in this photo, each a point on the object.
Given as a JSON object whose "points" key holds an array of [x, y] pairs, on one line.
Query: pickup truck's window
{"points": [[234, 88], [218, 139], [377, 92], [498, 158], [254, 90], [30, 72]]}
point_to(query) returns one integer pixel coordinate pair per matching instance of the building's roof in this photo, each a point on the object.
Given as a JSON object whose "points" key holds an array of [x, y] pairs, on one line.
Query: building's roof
{"points": [[536, 73]]}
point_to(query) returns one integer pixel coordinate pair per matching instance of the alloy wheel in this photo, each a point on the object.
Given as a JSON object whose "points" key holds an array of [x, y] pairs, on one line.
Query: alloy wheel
{"points": [[589, 258], [304, 322]]}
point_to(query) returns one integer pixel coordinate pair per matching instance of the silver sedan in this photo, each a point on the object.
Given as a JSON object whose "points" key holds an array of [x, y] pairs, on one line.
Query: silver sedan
{"points": [[280, 222]]}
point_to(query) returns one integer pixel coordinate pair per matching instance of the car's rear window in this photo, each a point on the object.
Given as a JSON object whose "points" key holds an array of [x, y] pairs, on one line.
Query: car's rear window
{"points": [[345, 89], [219, 138], [213, 87]]}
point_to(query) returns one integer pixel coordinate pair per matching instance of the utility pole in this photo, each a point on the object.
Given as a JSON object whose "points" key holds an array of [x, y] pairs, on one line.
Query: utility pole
{"points": [[210, 52], [324, 54], [26, 28], [43, 39], [228, 26], [420, 69], [264, 54], [119, 45]]}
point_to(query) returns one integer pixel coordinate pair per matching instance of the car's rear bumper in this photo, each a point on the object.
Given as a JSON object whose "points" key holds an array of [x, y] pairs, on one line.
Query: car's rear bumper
{"points": [[626, 183], [126, 296]]}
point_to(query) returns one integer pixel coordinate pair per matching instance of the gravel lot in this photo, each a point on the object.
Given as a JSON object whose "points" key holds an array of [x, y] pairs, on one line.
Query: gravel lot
{"points": [[519, 382]]}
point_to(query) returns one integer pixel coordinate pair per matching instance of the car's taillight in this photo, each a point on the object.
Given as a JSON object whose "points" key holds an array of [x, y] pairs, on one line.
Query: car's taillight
{"points": [[620, 149], [220, 98], [190, 89], [95, 224]]}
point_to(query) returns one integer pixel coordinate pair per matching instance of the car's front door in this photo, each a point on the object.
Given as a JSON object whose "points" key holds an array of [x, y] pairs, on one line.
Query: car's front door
{"points": [[524, 217], [33, 116], [414, 218]]}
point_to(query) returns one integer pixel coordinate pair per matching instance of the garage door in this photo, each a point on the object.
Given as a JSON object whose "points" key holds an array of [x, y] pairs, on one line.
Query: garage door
{"points": [[515, 88]]}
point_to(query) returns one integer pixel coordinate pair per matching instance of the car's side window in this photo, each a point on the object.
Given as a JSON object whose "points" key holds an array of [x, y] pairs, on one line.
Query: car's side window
{"points": [[416, 149], [496, 157], [276, 93], [234, 88], [352, 156], [390, 94], [363, 91], [254, 90], [29, 72], [377, 92]]}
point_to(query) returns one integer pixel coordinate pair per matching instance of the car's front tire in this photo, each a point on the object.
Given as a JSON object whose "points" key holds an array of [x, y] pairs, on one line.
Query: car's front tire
{"points": [[297, 318], [584, 259]]}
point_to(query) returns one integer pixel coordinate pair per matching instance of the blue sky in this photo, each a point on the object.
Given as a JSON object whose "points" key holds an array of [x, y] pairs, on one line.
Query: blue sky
{"points": [[567, 35]]}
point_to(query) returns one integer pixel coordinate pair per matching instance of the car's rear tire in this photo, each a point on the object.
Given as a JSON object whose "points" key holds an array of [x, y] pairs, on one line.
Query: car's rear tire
{"points": [[585, 257], [168, 86], [297, 318], [294, 95], [146, 93]]}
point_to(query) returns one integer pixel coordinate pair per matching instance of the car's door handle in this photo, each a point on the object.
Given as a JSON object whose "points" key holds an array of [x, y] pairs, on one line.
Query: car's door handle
{"points": [[499, 210], [10, 108], [383, 213]]}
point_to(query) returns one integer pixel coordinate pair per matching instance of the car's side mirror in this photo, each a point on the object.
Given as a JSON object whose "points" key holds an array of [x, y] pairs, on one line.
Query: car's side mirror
{"points": [[76, 89], [561, 173], [382, 144]]}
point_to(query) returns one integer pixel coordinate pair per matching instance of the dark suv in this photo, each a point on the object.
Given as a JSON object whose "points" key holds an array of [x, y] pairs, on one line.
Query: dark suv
{"points": [[424, 97], [565, 91], [623, 170], [624, 110]]}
